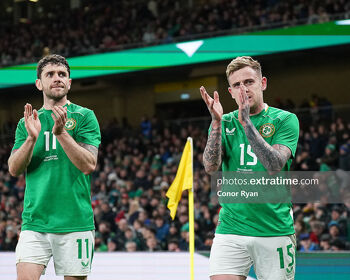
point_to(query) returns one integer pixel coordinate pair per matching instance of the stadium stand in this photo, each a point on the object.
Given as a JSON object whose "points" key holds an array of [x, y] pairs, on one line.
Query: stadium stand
{"points": [[136, 167], [101, 26]]}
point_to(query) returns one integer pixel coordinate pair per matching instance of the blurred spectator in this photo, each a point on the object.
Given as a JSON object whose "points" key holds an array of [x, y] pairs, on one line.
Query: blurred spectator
{"points": [[325, 242], [162, 228], [146, 126], [105, 230], [173, 232], [330, 159], [185, 238], [120, 233], [10, 241], [333, 229], [143, 218], [152, 244], [100, 246], [107, 215], [306, 245], [173, 245], [208, 241], [344, 157], [112, 245], [317, 229], [133, 211], [338, 221], [300, 227], [337, 245], [131, 246]]}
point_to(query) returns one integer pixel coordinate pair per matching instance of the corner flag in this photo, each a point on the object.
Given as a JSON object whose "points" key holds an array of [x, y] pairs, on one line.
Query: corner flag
{"points": [[183, 179]]}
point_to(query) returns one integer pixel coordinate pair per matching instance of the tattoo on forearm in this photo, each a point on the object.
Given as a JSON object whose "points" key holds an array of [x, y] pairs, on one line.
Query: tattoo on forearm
{"points": [[273, 157], [212, 151], [92, 149]]}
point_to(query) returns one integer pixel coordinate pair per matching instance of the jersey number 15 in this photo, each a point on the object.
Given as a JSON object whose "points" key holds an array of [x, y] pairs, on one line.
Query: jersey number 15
{"points": [[253, 160]]}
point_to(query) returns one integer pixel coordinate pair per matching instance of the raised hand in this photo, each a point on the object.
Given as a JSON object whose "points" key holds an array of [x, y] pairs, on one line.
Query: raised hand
{"points": [[243, 106], [59, 115], [32, 122], [213, 104]]}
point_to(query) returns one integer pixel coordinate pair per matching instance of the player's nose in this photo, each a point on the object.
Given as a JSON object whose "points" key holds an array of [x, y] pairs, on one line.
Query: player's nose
{"points": [[56, 77], [243, 87]]}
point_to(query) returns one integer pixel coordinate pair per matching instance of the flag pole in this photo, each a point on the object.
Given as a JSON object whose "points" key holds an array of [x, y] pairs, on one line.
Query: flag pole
{"points": [[184, 181], [191, 217]]}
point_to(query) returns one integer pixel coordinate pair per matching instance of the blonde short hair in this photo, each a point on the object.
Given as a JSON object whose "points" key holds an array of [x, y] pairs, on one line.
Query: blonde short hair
{"points": [[241, 62]]}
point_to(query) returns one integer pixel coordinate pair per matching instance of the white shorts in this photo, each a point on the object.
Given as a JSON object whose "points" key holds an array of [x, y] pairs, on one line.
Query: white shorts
{"points": [[72, 252], [273, 257]]}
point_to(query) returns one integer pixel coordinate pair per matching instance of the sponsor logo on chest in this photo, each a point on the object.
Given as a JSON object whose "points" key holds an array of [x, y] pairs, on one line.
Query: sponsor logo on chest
{"points": [[230, 132]]}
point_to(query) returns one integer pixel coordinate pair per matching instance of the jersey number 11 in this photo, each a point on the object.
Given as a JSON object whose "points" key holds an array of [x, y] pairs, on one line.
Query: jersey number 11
{"points": [[47, 141]]}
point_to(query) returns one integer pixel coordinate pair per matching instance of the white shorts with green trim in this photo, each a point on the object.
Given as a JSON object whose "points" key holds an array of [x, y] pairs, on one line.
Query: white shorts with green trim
{"points": [[72, 252], [273, 257]]}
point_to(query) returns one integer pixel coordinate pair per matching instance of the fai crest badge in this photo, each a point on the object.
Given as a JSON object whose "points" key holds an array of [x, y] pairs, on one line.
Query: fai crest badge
{"points": [[267, 130], [70, 124]]}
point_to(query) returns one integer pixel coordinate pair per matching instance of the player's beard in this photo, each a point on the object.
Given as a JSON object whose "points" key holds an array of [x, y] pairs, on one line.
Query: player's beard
{"points": [[254, 106], [255, 103], [53, 94]]}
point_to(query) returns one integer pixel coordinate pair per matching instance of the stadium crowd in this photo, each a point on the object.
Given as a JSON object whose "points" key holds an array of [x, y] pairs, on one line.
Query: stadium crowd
{"points": [[99, 26], [136, 167]]}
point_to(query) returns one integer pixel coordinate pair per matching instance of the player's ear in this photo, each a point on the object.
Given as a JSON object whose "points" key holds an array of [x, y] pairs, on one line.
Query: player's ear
{"points": [[263, 83], [69, 83], [231, 92], [38, 84]]}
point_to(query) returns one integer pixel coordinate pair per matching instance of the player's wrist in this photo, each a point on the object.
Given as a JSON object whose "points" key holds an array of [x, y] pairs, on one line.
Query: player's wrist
{"points": [[246, 123], [32, 138], [58, 133], [215, 123]]}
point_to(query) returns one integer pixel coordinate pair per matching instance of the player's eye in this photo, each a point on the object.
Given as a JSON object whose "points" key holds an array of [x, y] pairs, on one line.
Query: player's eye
{"points": [[249, 82], [236, 85]]}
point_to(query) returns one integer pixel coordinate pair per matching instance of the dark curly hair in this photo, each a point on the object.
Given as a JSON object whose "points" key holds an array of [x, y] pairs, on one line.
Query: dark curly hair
{"points": [[51, 59]]}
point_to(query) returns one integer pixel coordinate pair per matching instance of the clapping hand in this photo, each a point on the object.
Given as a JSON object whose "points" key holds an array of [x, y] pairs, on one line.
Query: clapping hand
{"points": [[243, 106], [32, 122], [59, 115], [213, 104]]}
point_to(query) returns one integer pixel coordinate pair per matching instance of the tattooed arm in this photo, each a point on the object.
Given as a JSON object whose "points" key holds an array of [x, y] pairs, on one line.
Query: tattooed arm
{"points": [[273, 158], [213, 150]]}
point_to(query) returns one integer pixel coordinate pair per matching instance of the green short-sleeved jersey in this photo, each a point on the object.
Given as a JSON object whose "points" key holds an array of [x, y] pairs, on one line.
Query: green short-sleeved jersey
{"points": [[276, 126], [57, 195]]}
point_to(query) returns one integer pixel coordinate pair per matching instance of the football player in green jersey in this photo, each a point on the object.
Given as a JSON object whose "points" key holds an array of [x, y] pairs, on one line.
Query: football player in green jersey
{"points": [[57, 147], [255, 137]]}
